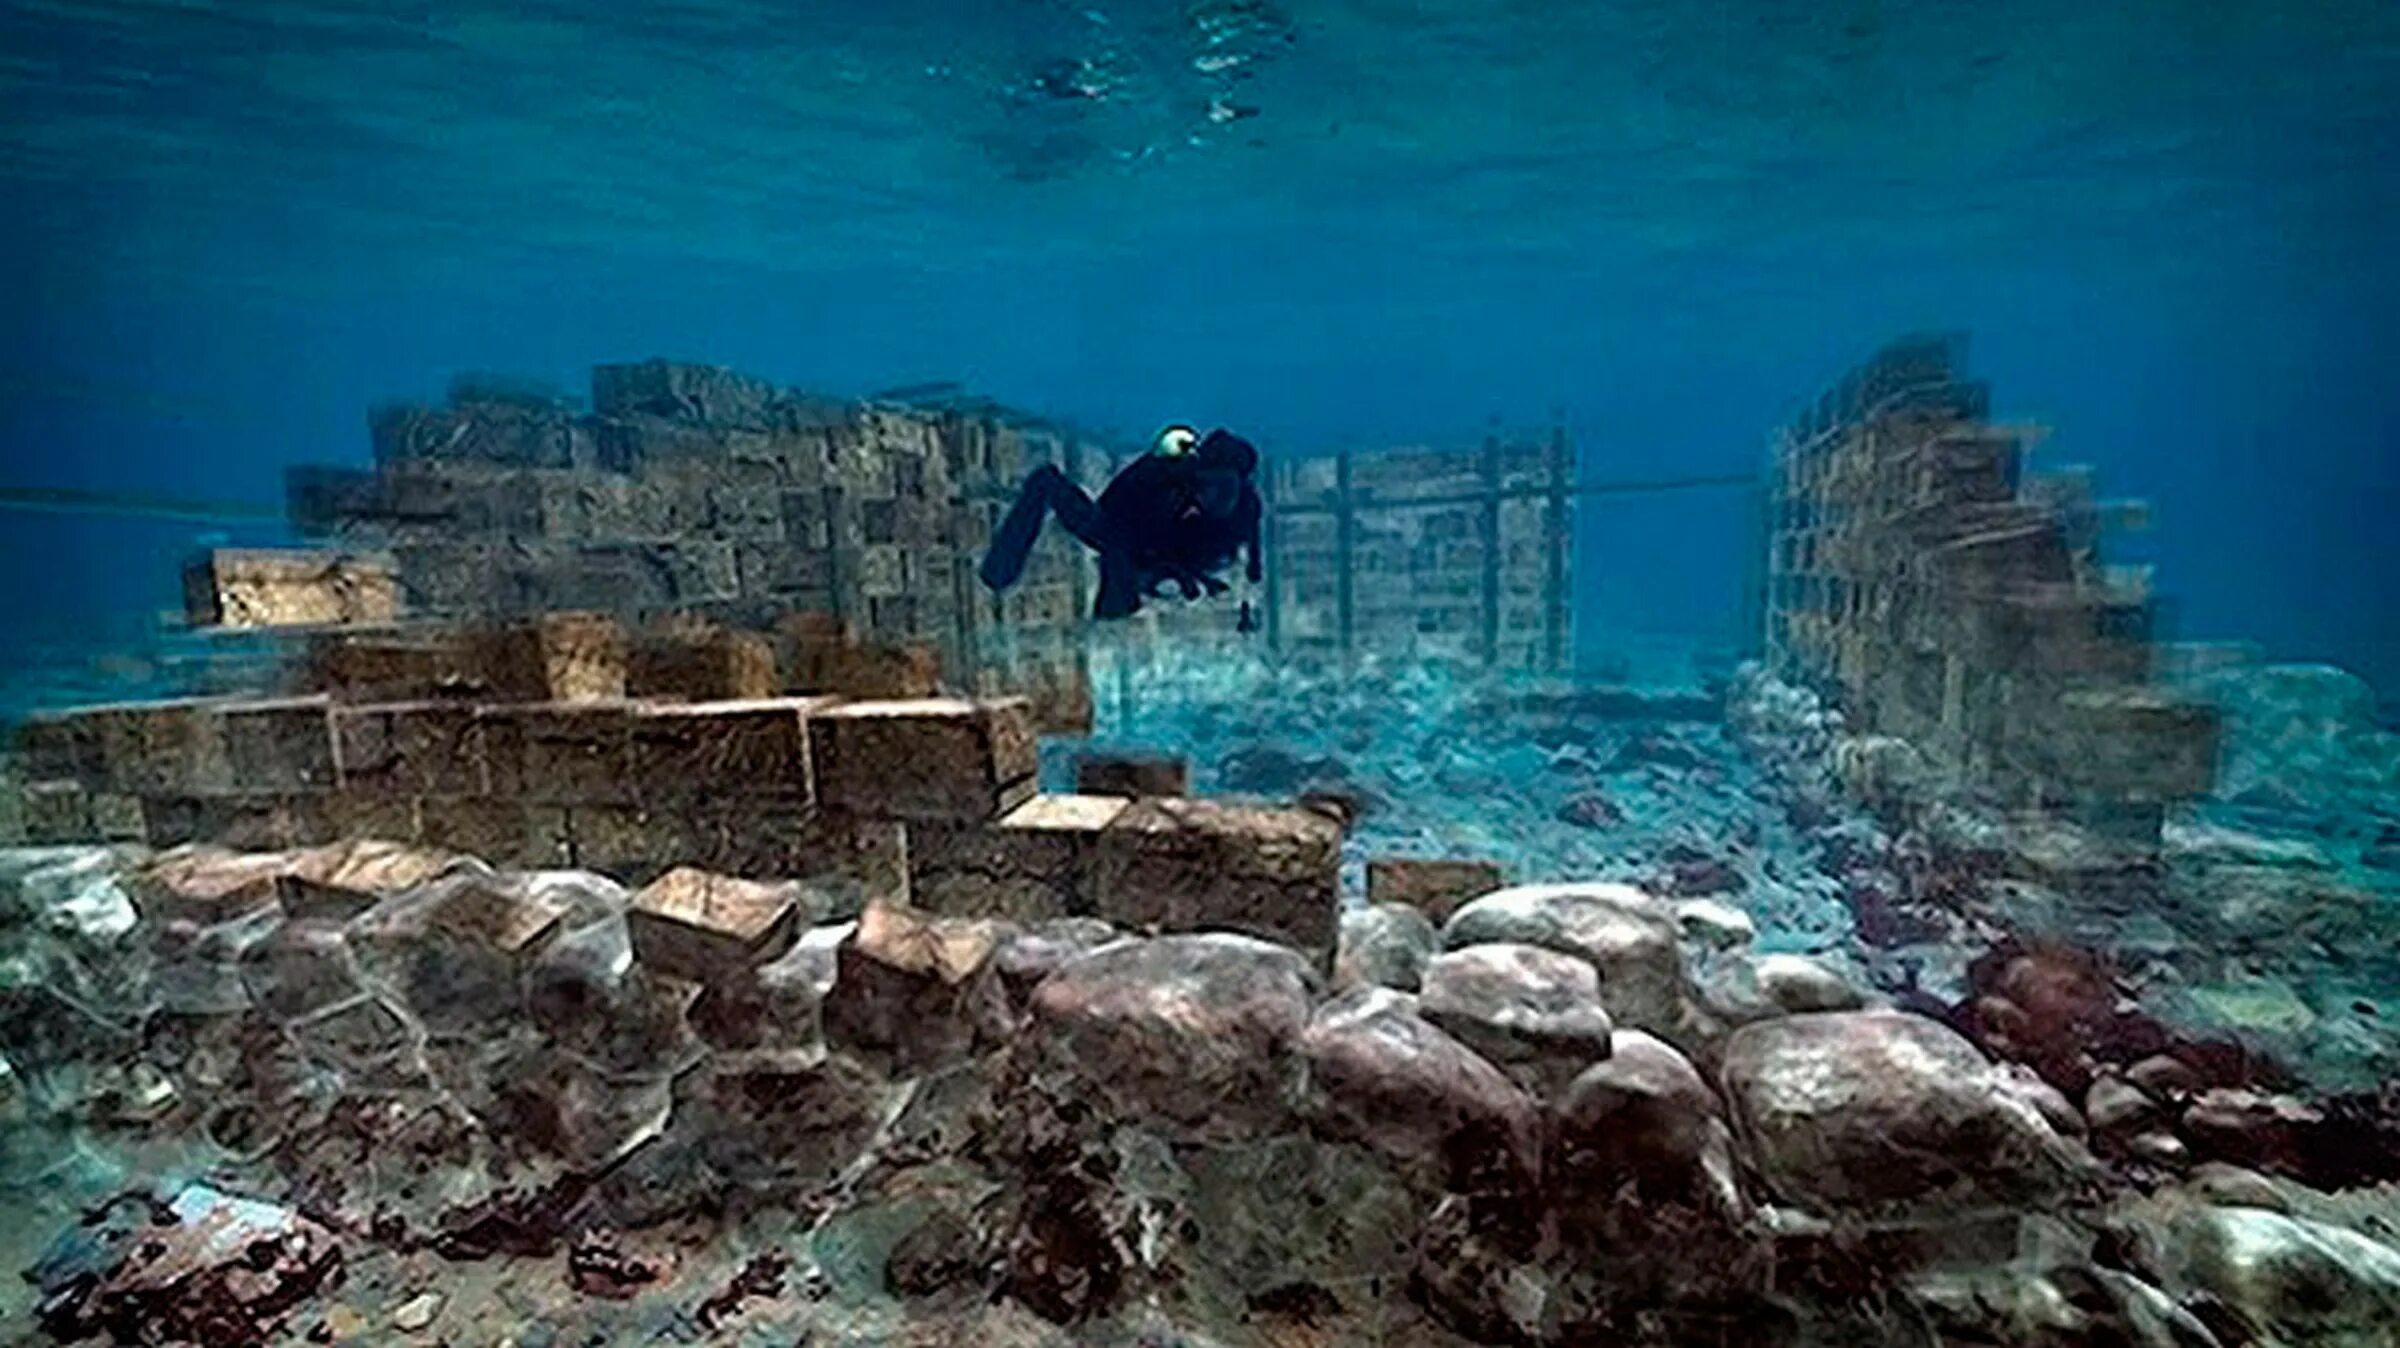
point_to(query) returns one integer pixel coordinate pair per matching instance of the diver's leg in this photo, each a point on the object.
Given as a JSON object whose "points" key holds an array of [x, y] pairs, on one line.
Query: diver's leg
{"points": [[1120, 587], [1047, 490]]}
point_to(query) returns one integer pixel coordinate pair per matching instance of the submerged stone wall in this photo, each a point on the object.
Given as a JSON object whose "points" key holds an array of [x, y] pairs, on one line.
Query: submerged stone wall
{"points": [[689, 488], [558, 742], [1957, 612]]}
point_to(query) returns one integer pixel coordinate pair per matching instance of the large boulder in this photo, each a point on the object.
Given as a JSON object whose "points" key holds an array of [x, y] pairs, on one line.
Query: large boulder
{"points": [[1644, 1118], [1535, 1012], [2287, 1279], [1876, 1109], [1382, 1075], [1626, 935], [1193, 1033]]}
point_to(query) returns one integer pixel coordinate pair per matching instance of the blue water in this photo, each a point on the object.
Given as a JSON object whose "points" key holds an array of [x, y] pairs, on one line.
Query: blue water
{"points": [[2168, 226]]}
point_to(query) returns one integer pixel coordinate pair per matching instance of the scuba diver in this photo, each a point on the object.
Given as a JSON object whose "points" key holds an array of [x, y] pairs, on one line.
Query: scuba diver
{"points": [[1175, 516]]}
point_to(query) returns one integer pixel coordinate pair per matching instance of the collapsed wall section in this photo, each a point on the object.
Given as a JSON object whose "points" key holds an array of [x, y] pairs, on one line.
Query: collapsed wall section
{"points": [[1941, 597]]}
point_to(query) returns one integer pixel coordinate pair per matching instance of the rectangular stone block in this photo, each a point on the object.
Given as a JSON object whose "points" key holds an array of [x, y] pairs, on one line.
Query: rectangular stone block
{"points": [[1133, 774], [171, 747], [390, 666], [632, 843], [510, 834], [61, 747], [556, 657], [354, 815], [562, 752], [502, 916], [725, 751], [258, 587], [339, 881], [2135, 744], [700, 394], [937, 758], [281, 745], [1436, 888], [518, 436], [1191, 865], [851, 668], [58, 812], [702, 665], [172, 821], [701, 927], [411, 749], [207, 885], [1031, 865], [268, 823]]}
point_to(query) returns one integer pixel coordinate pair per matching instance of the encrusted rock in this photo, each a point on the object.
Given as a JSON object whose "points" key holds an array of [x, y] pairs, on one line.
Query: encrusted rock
{"points": [[778, 1115], [2115, 1105], [1796, 984], [341, 881], [207, 1267], [1382, 1075], [1715, 925], [1031, 954], [1383, 945], [207, 885], [2285, 1279], [1192, 1033], [1628, 936], [1535, 1012], [1867, 1108], [780, 1004]]}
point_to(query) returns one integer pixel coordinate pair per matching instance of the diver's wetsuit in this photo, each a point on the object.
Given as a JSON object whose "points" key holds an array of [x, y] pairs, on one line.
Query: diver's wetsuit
{"points": [[1147, 527]]}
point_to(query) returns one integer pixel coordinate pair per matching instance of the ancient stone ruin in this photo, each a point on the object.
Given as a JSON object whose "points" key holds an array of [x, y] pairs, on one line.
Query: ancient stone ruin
{"points": [[1960, 611]]}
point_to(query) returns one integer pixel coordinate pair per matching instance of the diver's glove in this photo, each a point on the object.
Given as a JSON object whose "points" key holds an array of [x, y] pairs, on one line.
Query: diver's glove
{"points": [[1248, 623]]}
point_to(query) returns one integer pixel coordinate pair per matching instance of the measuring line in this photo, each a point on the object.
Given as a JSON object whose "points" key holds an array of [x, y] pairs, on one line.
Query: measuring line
{"points": [[145, 505]]}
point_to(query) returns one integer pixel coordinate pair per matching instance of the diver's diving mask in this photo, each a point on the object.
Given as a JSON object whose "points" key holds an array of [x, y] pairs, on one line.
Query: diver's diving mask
{"points": [[1175, 442]]}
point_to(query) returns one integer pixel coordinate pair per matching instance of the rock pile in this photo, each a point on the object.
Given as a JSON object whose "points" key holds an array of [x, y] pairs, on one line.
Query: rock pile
{"points": [[1052, 1131]]}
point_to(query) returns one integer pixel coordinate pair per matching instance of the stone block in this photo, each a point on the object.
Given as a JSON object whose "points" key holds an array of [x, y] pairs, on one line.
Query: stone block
{"points": [[2136, 744], [504, 831], [280, 745], [61, 747], [702, 665], [171, 821], [681, 391], [58, 812], [556, 657], [173, 747], [515, 435], [936, 758], [633, 843], [320, 499], [1173, 865], [353, 815], [1033, 864], [1435, 888], [412, 749], [268, 823], [259, 587], [390, 666], [565, 753], [725, 751], [1133, 775], [701, 927], [338, 881], [207, 885], [851, 668]]}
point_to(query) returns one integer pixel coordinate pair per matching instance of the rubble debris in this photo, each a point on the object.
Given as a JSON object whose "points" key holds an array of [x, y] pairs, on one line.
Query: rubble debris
{"points": [[203, 1267]]}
